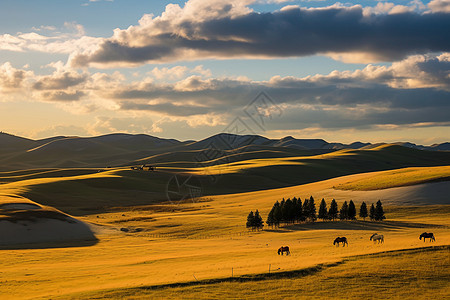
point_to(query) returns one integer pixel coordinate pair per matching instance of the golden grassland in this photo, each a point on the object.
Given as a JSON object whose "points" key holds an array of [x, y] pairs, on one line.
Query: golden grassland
{"points": [[134, 259], [206, 239], [421, 273], [396, 178]]}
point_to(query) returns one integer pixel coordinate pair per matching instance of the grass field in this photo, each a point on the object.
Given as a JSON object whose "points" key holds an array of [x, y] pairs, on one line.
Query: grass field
{"points": [[150, 248], [424, 273], [396, 178], [161, 254]]}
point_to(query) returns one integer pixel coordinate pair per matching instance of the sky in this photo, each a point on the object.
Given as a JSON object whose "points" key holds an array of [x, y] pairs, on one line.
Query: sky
{"points": [[372, 71]]}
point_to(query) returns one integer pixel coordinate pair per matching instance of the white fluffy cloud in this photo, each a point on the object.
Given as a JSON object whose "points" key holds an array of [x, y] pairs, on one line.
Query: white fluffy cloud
{"points": [[71, 39]]}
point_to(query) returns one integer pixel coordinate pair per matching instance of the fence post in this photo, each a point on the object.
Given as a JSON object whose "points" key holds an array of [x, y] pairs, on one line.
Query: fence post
{"points": [[269, 268]]}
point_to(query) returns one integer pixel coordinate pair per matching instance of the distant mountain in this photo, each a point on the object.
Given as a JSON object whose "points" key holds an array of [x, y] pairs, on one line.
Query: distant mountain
{"points": [[124, 149], [11, 142], [226, 141], [100, 151], [440, 147], [291, 142]]}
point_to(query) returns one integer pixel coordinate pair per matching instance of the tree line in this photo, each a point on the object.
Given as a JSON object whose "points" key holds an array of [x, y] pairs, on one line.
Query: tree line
{"points": [[295, 211]]}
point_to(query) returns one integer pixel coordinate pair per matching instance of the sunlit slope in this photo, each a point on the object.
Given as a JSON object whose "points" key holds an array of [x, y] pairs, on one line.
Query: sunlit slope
{"points": [[79, 190], [288, 171], [74, 190], [214, 156], [397, 178], [12, 176]]}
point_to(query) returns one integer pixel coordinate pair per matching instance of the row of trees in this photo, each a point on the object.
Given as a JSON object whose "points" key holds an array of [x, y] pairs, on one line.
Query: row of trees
{"points": [[294, 211]]}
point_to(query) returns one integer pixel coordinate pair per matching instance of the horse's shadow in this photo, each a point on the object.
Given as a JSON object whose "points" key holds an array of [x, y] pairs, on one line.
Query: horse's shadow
{"points": [[354, 225]]}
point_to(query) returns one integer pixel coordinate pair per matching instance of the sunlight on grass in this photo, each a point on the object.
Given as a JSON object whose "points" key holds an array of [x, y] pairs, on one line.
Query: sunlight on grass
{"points": [[206, 239], [422, 273], [396, 178]]}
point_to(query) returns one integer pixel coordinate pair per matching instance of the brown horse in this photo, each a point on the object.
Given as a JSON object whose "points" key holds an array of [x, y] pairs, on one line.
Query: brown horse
{"points": [[342, 240], [283, 249], [427, 235]]}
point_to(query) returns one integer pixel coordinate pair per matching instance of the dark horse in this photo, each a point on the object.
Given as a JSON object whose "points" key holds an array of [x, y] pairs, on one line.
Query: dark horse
{"points": [[427, 235], [342, 240], [284, 249]]}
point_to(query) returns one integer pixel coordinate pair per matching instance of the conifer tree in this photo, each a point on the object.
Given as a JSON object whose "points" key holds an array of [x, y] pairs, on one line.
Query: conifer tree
{"points": [[299, 216], [343, 213], [283, 211], [379, 212], [372, 212], [270, 218], [312, 210], [257, 221], [288, 211], [277, 214], [323, 213], [305, 209], [250, 220], [294, 209], [333, 211], [363, 211], [351, 210]]}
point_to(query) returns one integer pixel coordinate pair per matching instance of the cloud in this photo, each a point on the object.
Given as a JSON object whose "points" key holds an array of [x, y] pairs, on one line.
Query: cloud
{"points": [[440, 6], [63, 96], [223, 29], [11, 79], [169, 73], [59, 81], [134, 124], [70, 40], [412, 91], [57, 130], [391, 8], [177, 72], [91, 1]]}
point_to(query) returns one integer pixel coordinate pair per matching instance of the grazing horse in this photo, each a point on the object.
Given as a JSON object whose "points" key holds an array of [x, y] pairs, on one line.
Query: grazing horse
{"points": [[342, 240], [377, 237], [427, 235], [283, 249]]}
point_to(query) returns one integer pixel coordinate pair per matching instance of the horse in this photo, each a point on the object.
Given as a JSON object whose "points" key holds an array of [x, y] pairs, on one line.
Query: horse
{"points": [[342, 240], [377, 237], [283, 249], [427, 235]]}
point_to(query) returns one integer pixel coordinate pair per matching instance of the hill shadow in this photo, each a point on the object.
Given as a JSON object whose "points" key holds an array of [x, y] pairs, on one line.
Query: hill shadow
{"points": [[50, 245], [355, 225], [40, 228]]}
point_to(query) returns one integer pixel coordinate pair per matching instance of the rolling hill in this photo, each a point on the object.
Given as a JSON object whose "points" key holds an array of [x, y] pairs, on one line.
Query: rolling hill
{"points": [[73, 209], [126, 149], [89, 190]]}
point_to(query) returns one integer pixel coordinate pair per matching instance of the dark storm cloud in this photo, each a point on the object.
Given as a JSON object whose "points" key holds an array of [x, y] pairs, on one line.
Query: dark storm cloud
{"points": [[286, 33]]}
